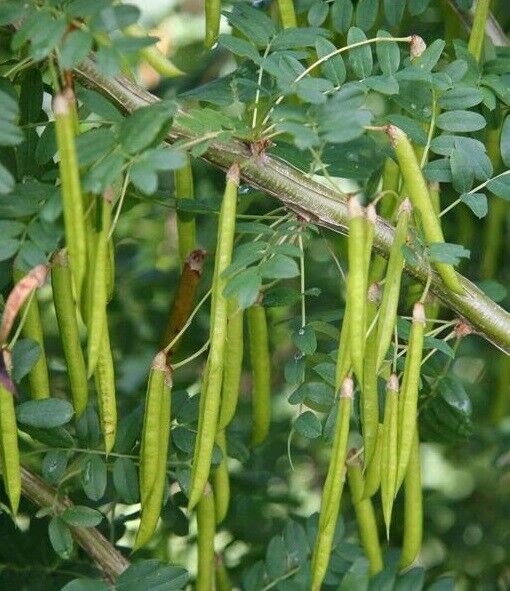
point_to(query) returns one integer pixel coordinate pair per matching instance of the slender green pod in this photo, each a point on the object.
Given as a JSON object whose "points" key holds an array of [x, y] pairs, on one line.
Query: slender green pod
{"points": [[152, 55], [9, 452], [97, 310], [356, 285], [408, 405], [110, 271], [206, 526], [186, 230], [72, 201], [390, 297], [369, 399], [413, 508], [104, 377], [287, 13], [365, 516], [389, 459], [261, 373], [212, 22], [65, 310], [435, 196], [343, 359], [233, 365], [477, 36], [222, 579], [38, 378], [370, 219], [221, 480], [420, 198], [155, 465], [210, 398], [373, 468], [333, 487]]}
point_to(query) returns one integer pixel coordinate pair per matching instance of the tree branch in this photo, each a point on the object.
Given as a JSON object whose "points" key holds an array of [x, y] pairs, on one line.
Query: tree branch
{"points": [[109, 560], [311, 200]]}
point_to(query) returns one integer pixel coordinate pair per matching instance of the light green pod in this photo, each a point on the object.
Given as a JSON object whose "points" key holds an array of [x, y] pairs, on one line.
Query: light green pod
{"points": [[9, 452], [104, 377], [212, 22], [373, 468], [152, 55], [221, 480], [389, 451], [413, 508], [186, 229], [287, 13], [206, 525]]}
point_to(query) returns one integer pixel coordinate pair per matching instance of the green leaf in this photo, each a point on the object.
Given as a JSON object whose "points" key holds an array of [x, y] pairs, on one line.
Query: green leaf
{"points": [[144, 172], [8, 247], [444, 252], [477, 203], [96, 103], [460, 121], [276, 558], [366, 14], [305, 340], [318, 396], [296, 38], [388, 54], [281, 296], [383, 84], [152, 575], [429, 58], [54, 465], [462, 173], [360, 58], [334, 67], [505, 141], [417, 7], [144, 125], [86, 585], [45, 414], [253, 23], [279, 266], [77, 45], [357, 577], [412, 128], [494, 290], [81, 516], [412, 580], [443, 584], [240, 47], [125, 480], [94, 144], [245, 286], [341, 15], [60, 538], [460, 97], [500, 187], [308, 425], [10, 228], [394, 10], [294, 369], [11, 11], [318, 13], [103, 173], [326, 371], [113, 18], [25, 354], [94, 477], [6, 181]]}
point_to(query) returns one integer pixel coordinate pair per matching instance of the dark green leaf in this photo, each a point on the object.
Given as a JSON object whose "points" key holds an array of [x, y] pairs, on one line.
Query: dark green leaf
{"points": [[93, 477], [60, 538], [444, 252], [25, 354], [279, 266], [44, 414], [341, 15], [86, 585], [152, 575], [366, 14], [360, 58], [81, 516], [505, 141], [143, 126], [76, 47], [318, 13], [308, 425], [240, 47], [334, 67], [54, 465], [388, 54], [460, 121], [477, 203], [125, 480], [394, 10], [305, 340], [429, 58], [460, 97]]}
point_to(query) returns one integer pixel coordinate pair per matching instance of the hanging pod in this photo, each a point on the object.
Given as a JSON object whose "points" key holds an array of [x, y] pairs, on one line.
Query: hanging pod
{"points": [[152, 55], [104, 378], [373, 467], [154, 447], [9, 452], [333, 487], [413, 507], [419, 195], [65, 310], [389, 451], [287, 13], [408, 404], [212, 22], [210, 397], [186, 230], [221, 480], [206, 528]]}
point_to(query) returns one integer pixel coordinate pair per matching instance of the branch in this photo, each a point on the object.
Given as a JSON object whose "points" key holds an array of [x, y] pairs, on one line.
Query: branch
{"points": [[109, 560], [311, 200]]}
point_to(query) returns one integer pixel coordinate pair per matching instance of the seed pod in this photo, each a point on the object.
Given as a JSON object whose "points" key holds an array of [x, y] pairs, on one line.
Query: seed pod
{"points": [[365, 516], [72, 201], [38, 378], [390, 298], [356, 285], [104, 377], [408, 404], [233, 365], [9, 453], [261, 373], [206, 524], [210, 397], [221, 480], [154, 448], [186, 231], [152, 55], [65, 311], [343, 359], [420, 198], [333, 487], [212, 22], [389, 451], [287, 13], [370, 219], [373, 468], [222, 579], [413, 508]]}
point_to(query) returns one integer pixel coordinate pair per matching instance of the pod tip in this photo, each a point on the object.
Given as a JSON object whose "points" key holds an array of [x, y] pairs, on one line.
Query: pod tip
{"points": [[354, 208], [234, 173], [405, 206], [374, 293], [347, 389], [371, 213], [417, 46], [60, 104], [392, 383], [419, 313]]}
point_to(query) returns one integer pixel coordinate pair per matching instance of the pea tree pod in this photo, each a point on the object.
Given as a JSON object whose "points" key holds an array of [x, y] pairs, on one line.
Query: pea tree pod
{"points": [[212, 22], [110, 270], [365, 516], [389, 459], [186, 231], [369, 395], [419, 195], [356, 285], [390, 297], [373, 468], [9, 452], [261, 373], [65, 311], [72, 201], [221, 480], [408, 405], [343, 359], [233, 365], [222, 579], [210, 397], [97, 310], [152, 55], [155, 466], [287, 13], [104, 377], [206, 526], [32, 329], [413, 508], [184, 298], [333, 487], [435, 196], [370, 220]]}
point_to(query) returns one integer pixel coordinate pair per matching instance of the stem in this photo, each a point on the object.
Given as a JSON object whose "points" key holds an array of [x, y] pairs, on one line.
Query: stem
{"points": [[477, 36], [313, 202], [108, 558]]}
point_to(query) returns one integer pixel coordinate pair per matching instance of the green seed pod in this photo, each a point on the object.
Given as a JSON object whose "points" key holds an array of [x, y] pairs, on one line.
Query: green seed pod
{"points": [[186, 230], [9, 453], [413, 508], [221, 480], [104, 377], [389, 457], [373, 468], [206, 524], [287, 13], [152, 55], [222, 579], [212, 22]]}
